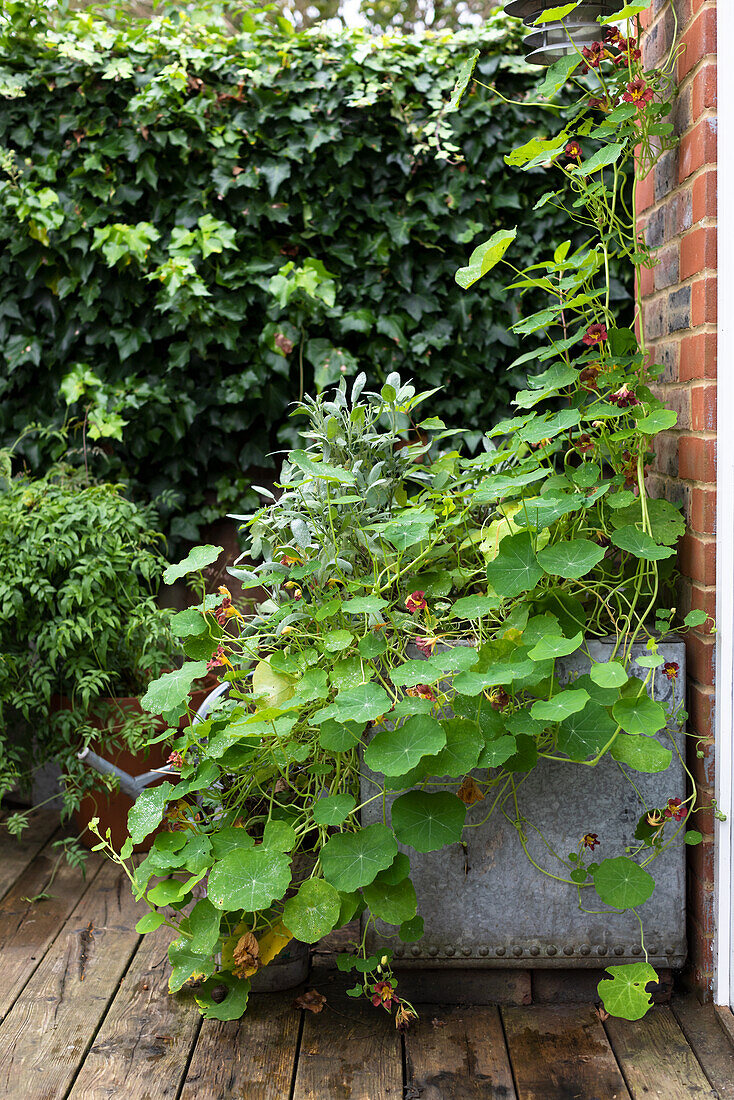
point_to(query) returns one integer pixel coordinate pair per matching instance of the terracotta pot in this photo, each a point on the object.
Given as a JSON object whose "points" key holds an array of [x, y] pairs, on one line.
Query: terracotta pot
{"points": [[112, 807]]}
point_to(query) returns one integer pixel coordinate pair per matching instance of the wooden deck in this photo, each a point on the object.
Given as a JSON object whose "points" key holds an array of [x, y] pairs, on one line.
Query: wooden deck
{"points": [[86, 1016]]}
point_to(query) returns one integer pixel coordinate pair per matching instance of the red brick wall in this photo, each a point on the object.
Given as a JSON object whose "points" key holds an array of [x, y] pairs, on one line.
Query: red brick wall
{"points": [[677, 204]]}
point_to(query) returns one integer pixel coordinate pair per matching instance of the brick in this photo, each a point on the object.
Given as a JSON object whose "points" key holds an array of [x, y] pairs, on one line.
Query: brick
{"points": [[697, 357], [700, 658], [655, 228], [647, 281], [697, 148], [667, 270], [697, 458], [702, 710], [646, 192], [704, 90], [698, 251], [704, 195], [703, 598], [697, 558], [679, 309], [704, 302], [701, 510], [699, 40], [666, 174], [703, 408]]}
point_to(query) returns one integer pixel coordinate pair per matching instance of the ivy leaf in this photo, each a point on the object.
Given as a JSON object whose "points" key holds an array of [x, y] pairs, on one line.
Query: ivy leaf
{"points": [[427, 820], [233, 1006], [625, 995], [251, 879], [485, 257], [572, 559], [146, 812], [622, 883], [644, 754], [198, 559], [171, 690], [586, 733], [560, 706], [552, 646], [351, 860], [333, 809], [313, 912], [394, 903], [639, 714], [395, 752], [515, 569]]}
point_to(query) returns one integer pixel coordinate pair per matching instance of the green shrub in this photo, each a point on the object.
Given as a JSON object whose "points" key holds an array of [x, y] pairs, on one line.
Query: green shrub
{"points": [[79, 570], [157, 180]]}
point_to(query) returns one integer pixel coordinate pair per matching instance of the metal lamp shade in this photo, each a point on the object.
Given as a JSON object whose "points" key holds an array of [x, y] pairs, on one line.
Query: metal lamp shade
{"points": [[554, 41]]}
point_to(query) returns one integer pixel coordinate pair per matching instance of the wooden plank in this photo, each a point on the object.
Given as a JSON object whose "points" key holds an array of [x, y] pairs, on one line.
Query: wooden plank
{"points": [[27, 928], [143, 1046], [248, 1059], [17, 852], [458, 1054], [349, 1051], [46, 1034], [560, 1052], [655, 1058], [712, 1048], [725, 1016]]}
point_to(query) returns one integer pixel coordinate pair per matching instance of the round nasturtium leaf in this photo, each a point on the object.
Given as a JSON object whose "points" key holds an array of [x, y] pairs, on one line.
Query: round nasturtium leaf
{"points": [[394, 752], [361, 704], [644, 754], [249, 879], [394, 903], [271, 688], [640, 714], [560, 706], [639, 543], [230, 1007], [313, 912], [555, 645], [586, 733], [609, 674], [333, 809], [572, 559], [625, 994], [515, 569], [339, 736], [427, 820], [622, 883], [279, 836], [351, 860]]}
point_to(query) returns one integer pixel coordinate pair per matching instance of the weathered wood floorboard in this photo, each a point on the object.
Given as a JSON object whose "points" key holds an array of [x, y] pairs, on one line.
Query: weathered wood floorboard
{"points": [[249, 1059], [705, 1037], [45, 1036], [28, 927], [656, 1059], [560, 1052], [458, 1054], [349, 1051], [17, 852], [142, 1048]]}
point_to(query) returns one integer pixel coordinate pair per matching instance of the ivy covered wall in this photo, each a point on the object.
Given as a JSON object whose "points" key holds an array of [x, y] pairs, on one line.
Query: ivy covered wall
{"points": [[157, 185]]}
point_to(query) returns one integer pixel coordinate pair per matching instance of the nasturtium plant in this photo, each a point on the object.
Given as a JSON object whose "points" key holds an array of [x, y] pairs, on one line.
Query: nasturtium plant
{"points": [[420, 604]]}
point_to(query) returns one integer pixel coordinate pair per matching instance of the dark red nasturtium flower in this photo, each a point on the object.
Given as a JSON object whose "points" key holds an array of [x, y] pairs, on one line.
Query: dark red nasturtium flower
{"points": [[216, 660], [175, 760], [498, 699], [416, 601], [421, 691], [573, 150], [612, 35], [623, 398], [383, 993], [638, 92], [588, 377], [595, 54], [671, 670], [591, 841], [426, 645], [597, 104], [595, 335], [676, 810], [584, 444]]}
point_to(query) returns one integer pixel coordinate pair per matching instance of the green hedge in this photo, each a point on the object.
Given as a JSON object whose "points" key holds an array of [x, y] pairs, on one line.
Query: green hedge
{"points": [[153, 185]]}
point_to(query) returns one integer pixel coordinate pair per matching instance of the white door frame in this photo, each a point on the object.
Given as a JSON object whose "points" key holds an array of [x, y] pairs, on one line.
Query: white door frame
{"points": [[724, 988]]}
